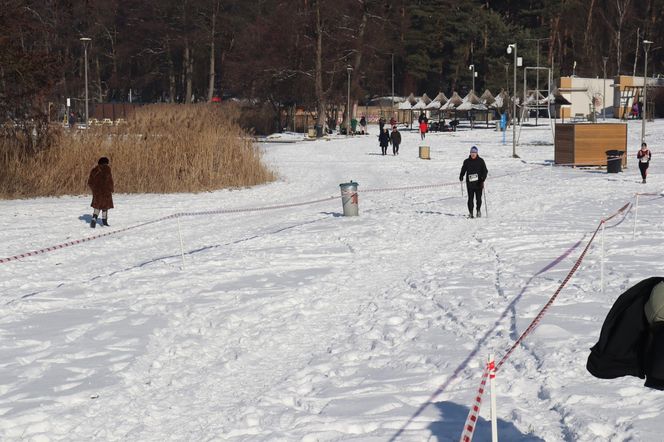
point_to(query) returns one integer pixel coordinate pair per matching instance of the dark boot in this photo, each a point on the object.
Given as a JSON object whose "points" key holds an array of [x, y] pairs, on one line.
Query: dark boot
{"points": [[479, 213], [93, 223], [104, 221]]}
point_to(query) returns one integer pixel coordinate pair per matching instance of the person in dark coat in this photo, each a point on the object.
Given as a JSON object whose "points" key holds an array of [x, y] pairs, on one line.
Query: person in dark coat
{"points": [[395, 139], [644, 157], [363, 126], [100, 182], [384, 140], [476, 172], [630, 345]]}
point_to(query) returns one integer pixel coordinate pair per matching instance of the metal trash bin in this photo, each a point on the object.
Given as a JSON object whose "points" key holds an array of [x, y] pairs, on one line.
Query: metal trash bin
{"points": [[424, 152], [311, 132], [614, 161], [349, 198]]}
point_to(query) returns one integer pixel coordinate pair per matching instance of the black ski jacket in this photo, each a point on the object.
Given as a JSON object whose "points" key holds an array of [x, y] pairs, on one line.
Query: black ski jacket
{"points": [[628, 345], [471, 167]]}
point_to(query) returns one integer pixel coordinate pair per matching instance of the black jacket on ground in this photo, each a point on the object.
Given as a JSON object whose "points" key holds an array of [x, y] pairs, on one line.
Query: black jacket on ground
{"points": [[628, 345], [471, 167]]}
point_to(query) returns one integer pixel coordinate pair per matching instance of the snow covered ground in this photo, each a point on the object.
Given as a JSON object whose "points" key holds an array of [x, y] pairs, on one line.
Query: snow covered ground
{"points": [[301, 324]]}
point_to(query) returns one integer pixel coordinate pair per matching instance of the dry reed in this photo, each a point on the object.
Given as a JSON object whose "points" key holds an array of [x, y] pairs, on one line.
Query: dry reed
{"points": [[161, 149]]}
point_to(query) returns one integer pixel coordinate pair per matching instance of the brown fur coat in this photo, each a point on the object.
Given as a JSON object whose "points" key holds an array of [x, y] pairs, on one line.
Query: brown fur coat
{"points": [[101, 184]]}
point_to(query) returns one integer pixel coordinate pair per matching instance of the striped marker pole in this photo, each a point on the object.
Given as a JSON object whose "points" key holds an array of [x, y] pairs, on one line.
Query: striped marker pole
{"points": [[474, 413], [492, 383]]}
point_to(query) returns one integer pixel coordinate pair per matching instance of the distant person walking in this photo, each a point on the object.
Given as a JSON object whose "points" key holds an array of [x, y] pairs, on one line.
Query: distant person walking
{"points": [[381, 124], [384, 140], [424, 127], [644, 157], [395, 138], [101, 184], [363, 125], [475, 172]]}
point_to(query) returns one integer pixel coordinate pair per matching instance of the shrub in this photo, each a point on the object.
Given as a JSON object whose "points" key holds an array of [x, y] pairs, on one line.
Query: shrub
{"points": [[161, 149]]}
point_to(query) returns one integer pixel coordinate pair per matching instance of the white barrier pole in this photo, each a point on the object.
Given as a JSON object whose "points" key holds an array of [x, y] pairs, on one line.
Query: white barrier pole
{"points": [[602, 260], [486, 203], [492, 383], [181, 242], [636, 215]]}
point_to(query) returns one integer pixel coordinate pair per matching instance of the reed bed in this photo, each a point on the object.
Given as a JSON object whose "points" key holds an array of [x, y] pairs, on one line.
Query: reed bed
{"points": [[160, 149]]}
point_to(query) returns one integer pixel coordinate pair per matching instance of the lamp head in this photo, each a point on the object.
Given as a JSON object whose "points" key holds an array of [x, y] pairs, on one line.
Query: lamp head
{"points": [[471, 67], [85, 39], [510, 48], [349, 69]]}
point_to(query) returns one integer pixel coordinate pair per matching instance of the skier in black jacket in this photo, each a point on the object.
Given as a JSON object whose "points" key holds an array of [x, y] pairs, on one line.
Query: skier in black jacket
{"points": [[475, 171]]}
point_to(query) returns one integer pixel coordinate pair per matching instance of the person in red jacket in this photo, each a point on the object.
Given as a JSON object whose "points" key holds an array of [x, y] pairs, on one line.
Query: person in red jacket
{"points": [[424, 127], [644, 157], [100, 182]]}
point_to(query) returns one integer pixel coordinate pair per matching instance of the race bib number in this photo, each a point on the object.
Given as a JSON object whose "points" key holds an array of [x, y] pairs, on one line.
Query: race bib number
{"points": [[644, 159], [473, 177]]}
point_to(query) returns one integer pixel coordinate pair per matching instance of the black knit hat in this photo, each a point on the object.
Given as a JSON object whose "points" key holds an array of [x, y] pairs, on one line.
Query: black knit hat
{"points": [[103, 160]]}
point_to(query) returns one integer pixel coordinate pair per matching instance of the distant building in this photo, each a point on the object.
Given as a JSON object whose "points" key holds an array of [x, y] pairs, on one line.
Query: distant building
{"points": [[586, 96]]}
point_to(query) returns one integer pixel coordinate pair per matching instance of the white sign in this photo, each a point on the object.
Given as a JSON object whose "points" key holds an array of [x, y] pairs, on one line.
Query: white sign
{"points": [[68, 102]]}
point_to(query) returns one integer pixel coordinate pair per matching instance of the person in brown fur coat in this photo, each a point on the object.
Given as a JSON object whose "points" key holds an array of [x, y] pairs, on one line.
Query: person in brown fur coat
{"points": [[101, 184]]}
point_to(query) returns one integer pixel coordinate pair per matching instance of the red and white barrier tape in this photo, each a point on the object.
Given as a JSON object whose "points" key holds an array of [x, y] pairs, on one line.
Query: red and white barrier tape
{"points": [[217, 212], [467, 435]]}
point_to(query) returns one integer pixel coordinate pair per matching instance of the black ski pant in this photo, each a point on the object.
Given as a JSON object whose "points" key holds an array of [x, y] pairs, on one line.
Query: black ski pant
{"points": [[643, 167], [474, 192], [383, 149], [395, 148]]}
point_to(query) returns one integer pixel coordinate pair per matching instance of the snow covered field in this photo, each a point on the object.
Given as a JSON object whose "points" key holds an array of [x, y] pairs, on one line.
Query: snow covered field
{"points": [[300, 324]]}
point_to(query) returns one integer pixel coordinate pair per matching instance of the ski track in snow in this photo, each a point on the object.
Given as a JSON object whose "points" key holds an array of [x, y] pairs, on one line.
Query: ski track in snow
{"points": [[300, 324]]}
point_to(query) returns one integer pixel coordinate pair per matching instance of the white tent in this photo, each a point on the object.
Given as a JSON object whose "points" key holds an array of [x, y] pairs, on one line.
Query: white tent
{"points": [[405, 105], [471, 102]]}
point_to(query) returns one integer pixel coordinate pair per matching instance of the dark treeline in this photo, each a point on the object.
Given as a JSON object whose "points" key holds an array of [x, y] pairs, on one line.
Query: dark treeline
{"points": [[282, 52]]}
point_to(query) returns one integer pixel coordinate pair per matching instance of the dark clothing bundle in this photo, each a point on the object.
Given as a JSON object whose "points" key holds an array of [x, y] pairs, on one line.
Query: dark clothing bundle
{"points": [[384, 140], [476, 172], [628, 344], [100, 182]]}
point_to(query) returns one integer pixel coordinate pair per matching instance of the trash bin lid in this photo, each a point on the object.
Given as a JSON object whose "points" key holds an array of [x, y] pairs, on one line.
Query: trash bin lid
{"points": [[350, 184], [616, 153]]}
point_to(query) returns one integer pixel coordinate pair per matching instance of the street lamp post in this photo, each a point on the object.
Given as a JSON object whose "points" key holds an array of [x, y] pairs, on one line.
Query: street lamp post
{"points": [[349, 69], [507, 81], [646, 47], [392, 107], [604, 60], [474, 74], [86, 41], [512, 49]]}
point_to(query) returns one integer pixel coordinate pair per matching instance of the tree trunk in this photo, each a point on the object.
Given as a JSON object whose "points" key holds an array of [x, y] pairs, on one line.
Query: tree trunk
{"points": [[320, 95], [171, 76], [188, 70], [212, 67], [100, 94], [636, 53]]}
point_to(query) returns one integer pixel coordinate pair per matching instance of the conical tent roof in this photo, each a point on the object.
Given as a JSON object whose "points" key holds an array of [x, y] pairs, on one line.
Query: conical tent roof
{"points": [[487, 97], [425, 98], [441, 98], [472, 98], [420, 104], [405, 105], [411, 99], [454, 101], [437, 102], [502, 100]]}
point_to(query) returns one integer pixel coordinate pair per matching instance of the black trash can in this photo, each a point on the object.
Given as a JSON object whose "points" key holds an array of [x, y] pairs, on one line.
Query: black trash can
{"points": [[614, 161], [319, 131]]}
